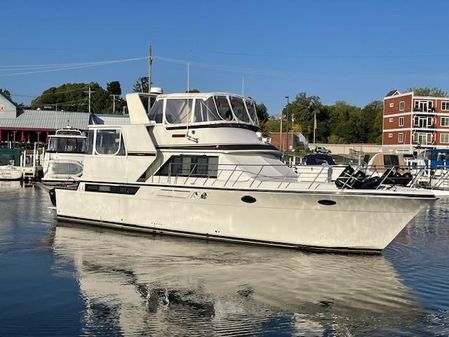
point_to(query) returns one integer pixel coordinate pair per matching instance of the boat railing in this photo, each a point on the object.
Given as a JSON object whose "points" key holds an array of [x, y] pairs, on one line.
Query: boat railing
{"points": [[229, 175], [385, 176], [279, 176]]}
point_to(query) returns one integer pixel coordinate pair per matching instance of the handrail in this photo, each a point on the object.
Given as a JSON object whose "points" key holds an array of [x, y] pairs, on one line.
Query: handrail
{"points": [[257, 176]]}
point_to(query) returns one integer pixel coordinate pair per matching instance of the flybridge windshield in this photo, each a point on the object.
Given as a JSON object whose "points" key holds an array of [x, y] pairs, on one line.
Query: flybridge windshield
{"points": [[219, 108]]}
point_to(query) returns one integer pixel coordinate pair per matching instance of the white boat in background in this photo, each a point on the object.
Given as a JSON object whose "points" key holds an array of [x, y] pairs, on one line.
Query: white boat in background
{"points": [[194, 166], [63, 159], [10, 172]]}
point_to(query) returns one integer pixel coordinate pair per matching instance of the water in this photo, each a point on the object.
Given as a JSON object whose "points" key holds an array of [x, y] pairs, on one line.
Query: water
{"points": [[64, 280]]}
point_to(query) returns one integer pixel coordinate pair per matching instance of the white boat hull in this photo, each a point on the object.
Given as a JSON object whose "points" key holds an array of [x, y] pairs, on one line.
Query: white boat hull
{"points": [[314, 220], [10, 173]]}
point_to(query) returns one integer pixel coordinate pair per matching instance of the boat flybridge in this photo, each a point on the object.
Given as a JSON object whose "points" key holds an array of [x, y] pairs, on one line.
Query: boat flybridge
{"points": [[195, 166], [63, 158]]}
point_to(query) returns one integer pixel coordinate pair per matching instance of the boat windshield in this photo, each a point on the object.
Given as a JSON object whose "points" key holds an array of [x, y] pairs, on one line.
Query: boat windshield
{"points": [[216, 108], [66, 145]]}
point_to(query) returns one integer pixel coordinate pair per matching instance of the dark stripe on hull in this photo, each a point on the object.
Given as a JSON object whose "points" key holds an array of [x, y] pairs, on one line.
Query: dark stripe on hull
{"points": [[230, 147], [153, 230], [214, 126]]}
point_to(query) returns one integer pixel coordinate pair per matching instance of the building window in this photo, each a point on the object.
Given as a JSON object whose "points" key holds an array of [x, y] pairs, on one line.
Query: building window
{"points": [[445, 105], [392, 105], [401, 106], [444, 138], [400, 137], [444, 121], [390, 135], [190, 166], [390, 119], [401, 121]]}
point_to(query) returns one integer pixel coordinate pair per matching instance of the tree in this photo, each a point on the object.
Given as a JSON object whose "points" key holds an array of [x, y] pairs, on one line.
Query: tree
{"points": [[141, 84], [114, 88], [262, 113], [372, 115], [193, 91], [426, 91], [73, 97], [5, 92]]}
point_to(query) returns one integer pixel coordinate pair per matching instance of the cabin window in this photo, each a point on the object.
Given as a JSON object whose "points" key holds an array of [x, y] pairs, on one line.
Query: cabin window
{"points": [[391, 160], [66, 145], [401, 106], [250, 106], [190, 166], [400, 137], [239, 109], [109, 142], [444, 121], [156, 111], [177, 111], [444, 138], [223, 107], [445, 105], [205, 111], [401, 121]]}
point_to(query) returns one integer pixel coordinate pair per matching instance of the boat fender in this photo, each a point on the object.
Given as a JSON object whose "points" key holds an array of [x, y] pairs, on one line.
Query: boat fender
{"points": [[52, 194]]}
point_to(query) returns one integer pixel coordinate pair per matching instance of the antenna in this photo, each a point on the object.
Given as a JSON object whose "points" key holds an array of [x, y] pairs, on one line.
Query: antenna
{"points": [[188, 76], [150, 69]]}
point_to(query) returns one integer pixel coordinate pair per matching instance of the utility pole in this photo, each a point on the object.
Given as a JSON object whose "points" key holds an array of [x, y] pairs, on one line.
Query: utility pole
{"points": [[113, 102], [90, 92], [281, 141], [286, 119]]}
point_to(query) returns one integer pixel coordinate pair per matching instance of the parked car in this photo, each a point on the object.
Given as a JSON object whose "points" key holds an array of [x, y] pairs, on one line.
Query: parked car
{"points": [[322, 149]]}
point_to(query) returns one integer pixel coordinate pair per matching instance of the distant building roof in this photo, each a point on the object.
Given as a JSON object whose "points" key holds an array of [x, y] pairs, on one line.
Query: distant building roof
{"points": [[392, 93], [47, 120], [53, 120]]}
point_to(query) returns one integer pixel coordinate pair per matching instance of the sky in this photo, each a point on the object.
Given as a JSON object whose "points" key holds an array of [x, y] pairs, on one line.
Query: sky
{"points": [[348, 50]]}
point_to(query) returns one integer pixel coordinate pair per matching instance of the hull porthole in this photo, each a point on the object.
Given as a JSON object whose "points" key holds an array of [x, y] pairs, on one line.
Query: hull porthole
{"points": [[326, 202], [248, 199]]}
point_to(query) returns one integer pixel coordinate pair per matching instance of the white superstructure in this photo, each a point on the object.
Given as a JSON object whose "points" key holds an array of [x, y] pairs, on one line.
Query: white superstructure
{"points": [[194, 166]]}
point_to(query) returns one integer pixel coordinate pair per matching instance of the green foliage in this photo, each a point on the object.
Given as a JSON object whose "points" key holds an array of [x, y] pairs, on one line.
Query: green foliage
{"points": [[141, 84], [339, 123], [114, 88], [74, 97], [5, 92], [262, 113], [193, 90], [426, 91]]}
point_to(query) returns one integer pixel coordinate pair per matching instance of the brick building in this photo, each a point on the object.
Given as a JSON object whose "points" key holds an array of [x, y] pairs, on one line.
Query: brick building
{"points": [[411, 121]]}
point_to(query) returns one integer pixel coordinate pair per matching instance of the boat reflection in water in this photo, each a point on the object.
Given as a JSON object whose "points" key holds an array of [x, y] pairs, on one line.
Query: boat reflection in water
{"points": [[151, 285]]}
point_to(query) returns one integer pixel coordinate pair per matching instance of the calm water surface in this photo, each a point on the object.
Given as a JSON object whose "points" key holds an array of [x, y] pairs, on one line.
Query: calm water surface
{"points": [[64, 280]]}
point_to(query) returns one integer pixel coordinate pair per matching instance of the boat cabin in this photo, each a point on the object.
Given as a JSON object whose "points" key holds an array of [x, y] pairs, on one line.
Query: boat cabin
{"points": [[435, 158], [198, 108], [67, 140]]}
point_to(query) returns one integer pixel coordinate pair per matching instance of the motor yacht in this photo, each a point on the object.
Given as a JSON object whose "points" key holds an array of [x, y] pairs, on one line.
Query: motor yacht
{"points": [[63, 159], [195, 166]]}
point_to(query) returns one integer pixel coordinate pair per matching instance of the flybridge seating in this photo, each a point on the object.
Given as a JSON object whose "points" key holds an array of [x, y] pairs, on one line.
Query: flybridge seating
{"points": [[204, 108]]}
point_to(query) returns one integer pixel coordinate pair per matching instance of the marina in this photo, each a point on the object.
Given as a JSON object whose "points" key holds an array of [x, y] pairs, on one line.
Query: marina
{"points": [[67, 279]]}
